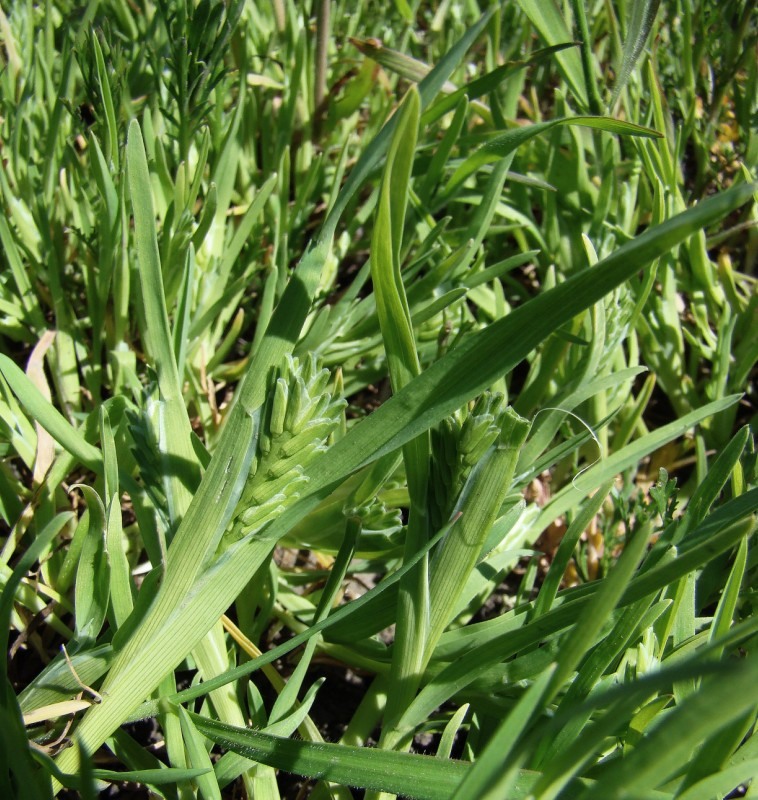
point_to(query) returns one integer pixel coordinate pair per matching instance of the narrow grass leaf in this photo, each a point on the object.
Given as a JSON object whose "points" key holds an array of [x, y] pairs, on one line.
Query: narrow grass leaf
{"points": [[488, 83], [158, 333], [180, 464], [709, 489], [198, 758], [111, 147], [560, 562], [659, 756], [727, 605], [451, 731], [584, 634], [433, 177], [402, 358], [411, 775], [287, 700], [495, 771], [42, 411], [551, 26], [501, 146], [636, 618], [120, 574], [242, 234], [641, 19], [155, 777], [92, 587], [723, 782], [627, 457], [33, 314]]}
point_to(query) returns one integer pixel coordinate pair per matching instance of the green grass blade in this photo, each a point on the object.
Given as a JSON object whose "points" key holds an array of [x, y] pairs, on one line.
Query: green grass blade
{"points": [[158, 333], [660, 755], [722, 619], [721, 783], [718, 474], [488, 83], [505, 144], [588, 61], [628, 456], [642, 17], [560, 562], [495, 771], [551, 26], [391, 302], [585, 633], [198, 757], [423, 777], [181, 469], [92, 585], [111, 148], [635, 619], [42, 411], [433, 177], [400, 347], [122, 602]]}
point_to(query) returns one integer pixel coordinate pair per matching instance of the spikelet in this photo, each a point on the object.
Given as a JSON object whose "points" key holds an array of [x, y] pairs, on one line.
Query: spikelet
{"points": [[298, 418], [456, 449]]}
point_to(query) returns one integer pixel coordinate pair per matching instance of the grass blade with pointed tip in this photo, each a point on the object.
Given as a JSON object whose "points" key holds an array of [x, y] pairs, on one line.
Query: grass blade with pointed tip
{"points": [[402, 358], [496, 770], [414, 776], [660, 755], [642, 17], [551, 26], [503, 145], [181, 468]]}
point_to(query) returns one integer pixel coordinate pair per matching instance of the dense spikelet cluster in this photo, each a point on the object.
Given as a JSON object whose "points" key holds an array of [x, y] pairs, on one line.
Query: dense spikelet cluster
{"points": [[299, 416], [456, 448]]}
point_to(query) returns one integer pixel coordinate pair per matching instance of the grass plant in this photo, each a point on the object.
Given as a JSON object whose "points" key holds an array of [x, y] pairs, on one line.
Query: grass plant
{"points": [[376, 414]]}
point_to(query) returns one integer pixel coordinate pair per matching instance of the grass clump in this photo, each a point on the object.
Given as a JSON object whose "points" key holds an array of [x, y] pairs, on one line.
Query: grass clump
{"points": [[378, 379]]}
